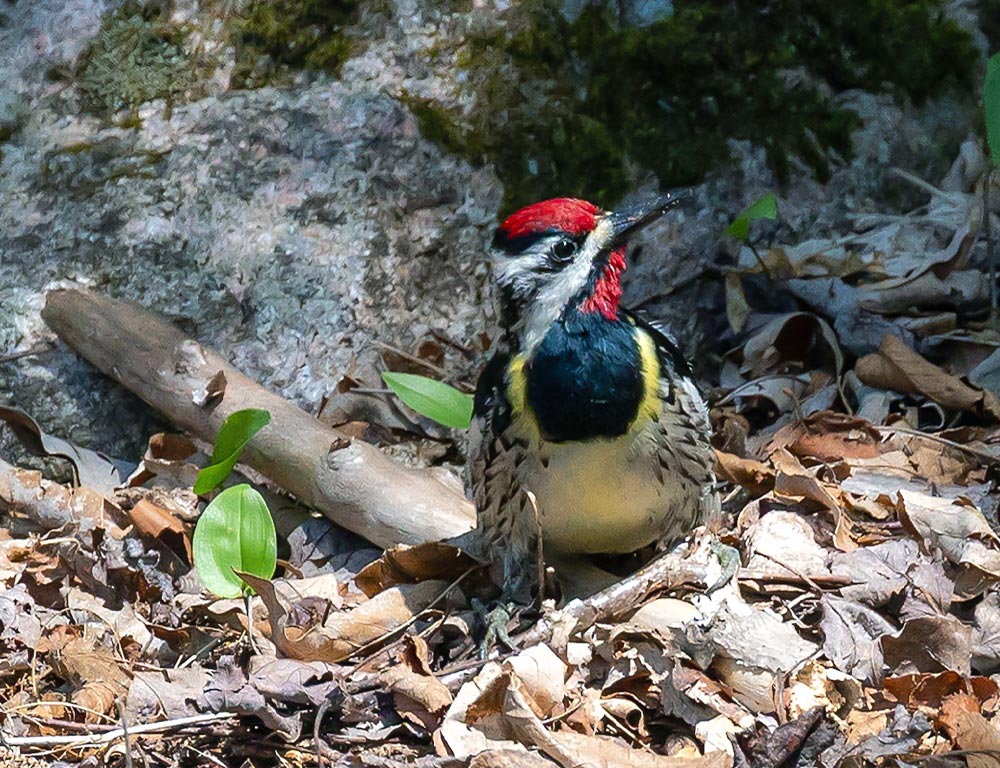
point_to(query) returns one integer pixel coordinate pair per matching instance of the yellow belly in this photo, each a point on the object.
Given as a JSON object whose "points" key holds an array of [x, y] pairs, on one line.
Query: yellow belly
{"points": [[601, 495]]}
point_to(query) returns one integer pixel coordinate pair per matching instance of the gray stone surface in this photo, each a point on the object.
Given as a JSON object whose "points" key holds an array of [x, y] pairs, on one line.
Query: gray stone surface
{"points": [[293, 228]]}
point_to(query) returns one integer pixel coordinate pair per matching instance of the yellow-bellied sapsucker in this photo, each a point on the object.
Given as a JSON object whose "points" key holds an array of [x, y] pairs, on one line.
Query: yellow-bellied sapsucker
{"points": [[585, 405]]}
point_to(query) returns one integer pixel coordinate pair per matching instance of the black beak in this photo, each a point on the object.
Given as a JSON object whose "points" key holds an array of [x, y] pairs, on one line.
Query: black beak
{"points": [[631, 220]]}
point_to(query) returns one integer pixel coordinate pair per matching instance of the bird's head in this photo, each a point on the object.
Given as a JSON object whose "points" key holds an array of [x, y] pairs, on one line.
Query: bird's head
{"points": [[564, 255]]}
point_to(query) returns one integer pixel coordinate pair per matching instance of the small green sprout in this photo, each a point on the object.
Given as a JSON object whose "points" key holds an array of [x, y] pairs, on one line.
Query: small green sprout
{"points": [[236, 431], [764, 207]]}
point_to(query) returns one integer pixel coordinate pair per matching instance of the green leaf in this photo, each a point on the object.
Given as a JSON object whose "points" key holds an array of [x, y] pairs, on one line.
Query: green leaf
{"points": [[235, 433], [234, 533], [991, 106], [433, 399], [764, 207]]}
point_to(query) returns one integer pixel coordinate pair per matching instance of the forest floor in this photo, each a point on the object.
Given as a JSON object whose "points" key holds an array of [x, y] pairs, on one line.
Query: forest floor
{"points": [[863, 627]]}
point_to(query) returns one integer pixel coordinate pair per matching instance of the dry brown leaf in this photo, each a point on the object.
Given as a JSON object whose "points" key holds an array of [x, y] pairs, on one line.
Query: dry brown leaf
{"points": [[964, 288], [755, 476], [543, 675], [410, 565], [90, 468], [325, 587], [716, 734], [509, 758], [929, 690], [169, 458], [958, 529], [737, 308], [664, 613], [963, 722], [812, 687], [306, 635], [158, 523], [702, 689], [828, 437], [98, 678], [419, 696], [474, 722], [897, 367], [795, 483], [571, 750], [799, 337], [783, 543], [168, 446], [628, 711], [929, 644], [863, 724], [51, 505]]}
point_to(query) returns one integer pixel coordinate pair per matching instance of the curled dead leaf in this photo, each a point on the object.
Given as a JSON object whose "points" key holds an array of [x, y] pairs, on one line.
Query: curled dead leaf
{"points": [[309, 636], [897, 367], [411, 565], [755, 476]]}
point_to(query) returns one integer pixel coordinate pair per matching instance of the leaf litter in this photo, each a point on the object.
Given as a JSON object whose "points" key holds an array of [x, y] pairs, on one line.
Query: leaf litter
{"points": [[857, 437]]}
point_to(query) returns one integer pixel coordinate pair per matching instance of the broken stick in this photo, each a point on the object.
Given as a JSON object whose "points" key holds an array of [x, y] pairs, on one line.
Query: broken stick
{"points": [[349, 481]]}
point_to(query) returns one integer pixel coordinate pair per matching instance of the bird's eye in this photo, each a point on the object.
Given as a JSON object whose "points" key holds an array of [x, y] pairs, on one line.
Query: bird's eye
{"points": [[564, 250]]}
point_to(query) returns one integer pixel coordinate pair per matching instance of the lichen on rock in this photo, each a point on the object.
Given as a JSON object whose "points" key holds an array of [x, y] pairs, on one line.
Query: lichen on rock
{"points": [[136, 57]]}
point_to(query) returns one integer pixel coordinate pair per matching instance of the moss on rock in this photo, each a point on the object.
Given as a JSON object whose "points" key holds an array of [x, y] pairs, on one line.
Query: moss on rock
{"points": [[276, 36], [568, 106]]}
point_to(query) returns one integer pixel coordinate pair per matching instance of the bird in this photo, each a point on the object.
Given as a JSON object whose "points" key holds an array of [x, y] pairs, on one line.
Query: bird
{"points": [[589, 434]]}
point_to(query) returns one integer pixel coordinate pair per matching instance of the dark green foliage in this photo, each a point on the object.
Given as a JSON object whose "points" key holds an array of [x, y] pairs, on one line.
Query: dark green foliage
{"points": [[563, 106], [136, 57], [276, 35], [989, 22]]}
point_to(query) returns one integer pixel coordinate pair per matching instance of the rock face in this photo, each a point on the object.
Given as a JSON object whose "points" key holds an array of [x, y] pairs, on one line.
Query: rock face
{"points": [[287, 228], [291, 228]]}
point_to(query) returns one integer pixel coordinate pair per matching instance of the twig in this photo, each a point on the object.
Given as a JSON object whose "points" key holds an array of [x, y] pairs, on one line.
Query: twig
{"points": [[68, 725], [802, 378], [412, 358], [247, 597], [409, 622], [95, 740], [350, 481], [539, 547], [317, 729], [799, 574], [830, 581], [125, 734], [668, 571], [942, 440], [38, 349]]}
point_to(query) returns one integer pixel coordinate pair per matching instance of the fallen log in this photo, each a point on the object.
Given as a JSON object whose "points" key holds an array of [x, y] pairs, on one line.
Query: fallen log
{"points": [[349, 481]]}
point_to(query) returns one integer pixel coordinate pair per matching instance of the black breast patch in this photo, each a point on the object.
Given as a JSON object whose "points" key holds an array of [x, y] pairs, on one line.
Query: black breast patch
{"points": [[585, 379]]}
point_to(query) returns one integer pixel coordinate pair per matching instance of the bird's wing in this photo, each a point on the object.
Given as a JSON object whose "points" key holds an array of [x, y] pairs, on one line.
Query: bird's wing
{"points": [[491, 416], [686, 428], [505, 523]]}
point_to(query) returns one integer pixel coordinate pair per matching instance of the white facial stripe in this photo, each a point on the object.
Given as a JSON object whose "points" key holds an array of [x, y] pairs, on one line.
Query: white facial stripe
{"points": [[548, 292]]}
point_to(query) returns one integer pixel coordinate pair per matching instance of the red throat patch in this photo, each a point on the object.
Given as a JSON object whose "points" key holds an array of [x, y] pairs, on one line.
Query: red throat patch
{"points": [[565, 214], [608, 290]]}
